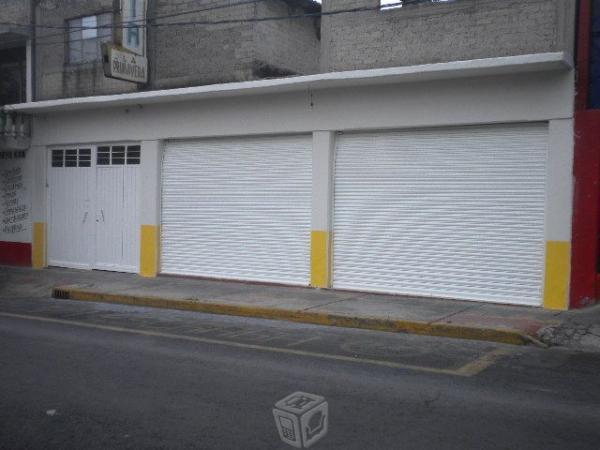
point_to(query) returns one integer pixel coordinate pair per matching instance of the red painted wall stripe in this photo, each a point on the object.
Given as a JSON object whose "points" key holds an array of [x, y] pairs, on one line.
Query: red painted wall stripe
{"points": [[15, 253], [584, 43], [586, 172], [586, 208]]}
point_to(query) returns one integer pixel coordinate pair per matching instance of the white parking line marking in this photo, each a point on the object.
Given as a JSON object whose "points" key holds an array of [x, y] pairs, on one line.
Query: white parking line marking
{"points": [[468, 370]]}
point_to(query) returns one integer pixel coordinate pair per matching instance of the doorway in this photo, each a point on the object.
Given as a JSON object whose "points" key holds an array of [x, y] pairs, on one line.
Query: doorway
{"points": [[93, 207]]}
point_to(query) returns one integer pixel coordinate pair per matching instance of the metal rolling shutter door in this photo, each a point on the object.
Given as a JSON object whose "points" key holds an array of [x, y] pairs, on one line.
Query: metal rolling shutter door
{"points": [[454, 213], [238, 208]]}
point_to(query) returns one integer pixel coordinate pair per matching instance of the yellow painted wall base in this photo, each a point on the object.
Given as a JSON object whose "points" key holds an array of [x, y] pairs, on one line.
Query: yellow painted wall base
{"points": [[558, 270], [149, 244], [320, 267], [38, 257]]}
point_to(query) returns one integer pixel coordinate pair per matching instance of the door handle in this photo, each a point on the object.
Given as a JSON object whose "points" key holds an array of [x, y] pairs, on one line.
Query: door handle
{"points": [[102, 212], [84, 217]]}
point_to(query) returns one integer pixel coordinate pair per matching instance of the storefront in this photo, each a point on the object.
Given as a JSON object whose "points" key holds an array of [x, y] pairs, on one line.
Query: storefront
{"points": [[450, 180]]}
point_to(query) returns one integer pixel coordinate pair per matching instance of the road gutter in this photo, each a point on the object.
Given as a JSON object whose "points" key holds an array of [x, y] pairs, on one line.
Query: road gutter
{"points": [[491, 334]]}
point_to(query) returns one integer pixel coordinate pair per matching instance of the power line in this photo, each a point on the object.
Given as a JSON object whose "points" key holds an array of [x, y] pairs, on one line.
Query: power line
{"points": [[121, 25], [132, 22], [151, 24]]}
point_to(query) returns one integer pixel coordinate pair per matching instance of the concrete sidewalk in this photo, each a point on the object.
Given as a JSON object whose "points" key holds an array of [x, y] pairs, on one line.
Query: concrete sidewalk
{"points": [[450, 318]]}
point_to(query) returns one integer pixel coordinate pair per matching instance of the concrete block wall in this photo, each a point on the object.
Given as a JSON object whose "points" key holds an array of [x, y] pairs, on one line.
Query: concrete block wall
{"points": [[290, 45], [14, 11], [181, 56], [200, 54], [205, 54], [55, 76], [432, 32]]}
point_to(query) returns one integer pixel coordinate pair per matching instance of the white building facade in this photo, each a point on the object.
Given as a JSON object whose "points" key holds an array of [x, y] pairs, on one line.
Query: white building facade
{"points": [[451, 180]]}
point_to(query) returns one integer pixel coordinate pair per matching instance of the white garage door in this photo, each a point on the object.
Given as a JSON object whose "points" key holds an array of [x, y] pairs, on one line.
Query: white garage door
{"points": [[93, 207], [238, 208], [455, 213]]}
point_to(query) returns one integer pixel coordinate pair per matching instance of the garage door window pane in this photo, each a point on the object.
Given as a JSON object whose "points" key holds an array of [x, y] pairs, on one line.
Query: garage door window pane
{"points": [[118, 155], [57, 158], [103, 157], [71, 158], [133, 154]]}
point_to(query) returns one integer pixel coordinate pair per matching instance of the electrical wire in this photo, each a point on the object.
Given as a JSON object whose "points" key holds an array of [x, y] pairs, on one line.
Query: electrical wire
{"points": [[121, 24], [151, 24], [142, 19]]}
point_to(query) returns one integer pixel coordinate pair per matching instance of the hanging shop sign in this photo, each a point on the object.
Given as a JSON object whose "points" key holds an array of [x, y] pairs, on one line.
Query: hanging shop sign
{"points": [[125, 58], [124, 65]]}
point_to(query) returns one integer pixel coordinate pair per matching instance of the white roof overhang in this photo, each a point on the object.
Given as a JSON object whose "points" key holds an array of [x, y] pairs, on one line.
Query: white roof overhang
{"points": [[539, 62]]}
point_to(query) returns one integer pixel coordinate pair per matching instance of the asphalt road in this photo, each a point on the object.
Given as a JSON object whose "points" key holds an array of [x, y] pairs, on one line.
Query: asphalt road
{"points": [[93, 376]]}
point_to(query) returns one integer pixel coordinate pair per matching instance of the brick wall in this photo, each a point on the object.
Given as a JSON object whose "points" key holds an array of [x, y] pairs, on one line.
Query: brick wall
{"points": [[291, 45], [201, 54], [55, 76], [14, 11], [432, 32], [182, 56], [205, 54]]}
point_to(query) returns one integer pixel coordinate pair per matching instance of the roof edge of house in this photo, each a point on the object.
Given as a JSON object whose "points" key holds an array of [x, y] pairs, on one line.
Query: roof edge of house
{"points": [[392, 75]]}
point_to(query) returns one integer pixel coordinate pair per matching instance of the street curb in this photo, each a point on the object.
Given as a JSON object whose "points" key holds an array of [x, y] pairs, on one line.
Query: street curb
{"points": [[500, 335]]}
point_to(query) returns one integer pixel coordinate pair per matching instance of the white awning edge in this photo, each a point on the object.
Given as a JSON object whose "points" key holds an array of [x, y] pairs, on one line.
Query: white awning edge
{"points": [[538, 62]]}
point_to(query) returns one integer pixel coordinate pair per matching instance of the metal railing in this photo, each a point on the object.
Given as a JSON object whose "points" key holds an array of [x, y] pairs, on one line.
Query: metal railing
{"points": [[15, 125]]}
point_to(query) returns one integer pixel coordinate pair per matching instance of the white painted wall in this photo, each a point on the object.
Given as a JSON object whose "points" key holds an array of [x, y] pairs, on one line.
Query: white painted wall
{"points": [[150, 184], [560, 182], [524, 97], [510, 98], [16, 183], [322, 173], [39, 164]]}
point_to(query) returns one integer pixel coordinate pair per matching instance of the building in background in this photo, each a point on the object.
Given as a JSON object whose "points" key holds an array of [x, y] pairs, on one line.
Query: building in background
{"points": [[15, 88], [425, 150]]}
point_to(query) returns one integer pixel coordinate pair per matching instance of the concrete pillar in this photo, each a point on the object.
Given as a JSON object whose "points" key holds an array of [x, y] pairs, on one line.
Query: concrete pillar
{"points": [[39, 194], [322, 202], [559, 212], [151, 152]]}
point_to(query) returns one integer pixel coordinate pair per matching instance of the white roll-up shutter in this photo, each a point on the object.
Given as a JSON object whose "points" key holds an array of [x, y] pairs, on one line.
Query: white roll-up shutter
{"points": [[454, 212], [238, 208]]}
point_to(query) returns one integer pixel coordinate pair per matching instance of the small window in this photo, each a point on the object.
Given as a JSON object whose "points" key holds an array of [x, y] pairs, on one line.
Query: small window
{"points": [[103, 157], [393, 4], [57, 158], [86, 35], [71, 158], [390, 4], [118, 155], [85, 157], [89, 27], [133, 154]]}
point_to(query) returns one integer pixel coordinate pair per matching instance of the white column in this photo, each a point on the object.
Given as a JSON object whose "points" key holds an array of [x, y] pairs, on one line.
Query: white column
{"points": [[39, 196], [151, 152], [322, 202], [559, 213]]}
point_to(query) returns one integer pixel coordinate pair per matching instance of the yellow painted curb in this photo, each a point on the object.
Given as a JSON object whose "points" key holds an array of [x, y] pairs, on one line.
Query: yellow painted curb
{"points": [[505, 336]]}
